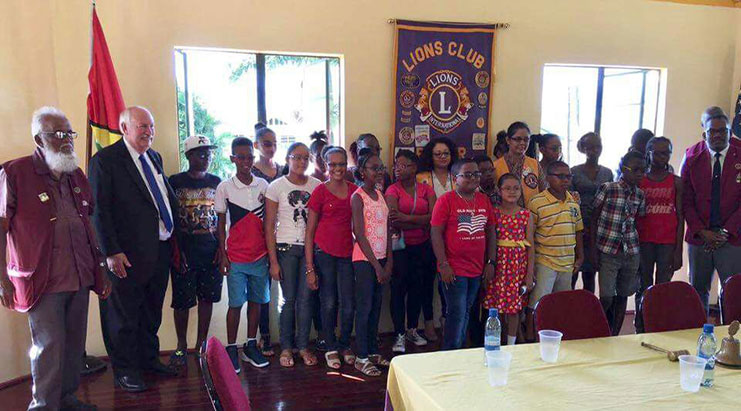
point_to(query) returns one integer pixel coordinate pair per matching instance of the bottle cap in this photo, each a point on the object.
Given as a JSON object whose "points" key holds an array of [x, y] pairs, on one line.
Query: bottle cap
{"points": [[493, 312], [708, 328]]}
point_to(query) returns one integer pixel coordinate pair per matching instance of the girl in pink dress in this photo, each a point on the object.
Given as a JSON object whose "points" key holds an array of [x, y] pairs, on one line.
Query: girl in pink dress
{"points": [[515, 257]]}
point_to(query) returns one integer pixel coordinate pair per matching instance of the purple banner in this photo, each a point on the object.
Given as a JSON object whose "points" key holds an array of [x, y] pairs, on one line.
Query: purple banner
{"points": [[443, 85]]}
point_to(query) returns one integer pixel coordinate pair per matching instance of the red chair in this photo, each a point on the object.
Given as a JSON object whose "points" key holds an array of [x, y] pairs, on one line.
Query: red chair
{"points": [[672, 306], [730, 299], [222, 383], [577, 314]]}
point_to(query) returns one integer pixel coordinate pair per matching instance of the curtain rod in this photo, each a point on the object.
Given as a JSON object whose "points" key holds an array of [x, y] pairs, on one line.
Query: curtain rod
{"points": [[496, 25]]}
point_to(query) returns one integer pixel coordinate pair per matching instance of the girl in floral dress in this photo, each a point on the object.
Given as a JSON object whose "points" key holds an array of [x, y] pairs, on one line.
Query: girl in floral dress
{"points": [[515, 257]]}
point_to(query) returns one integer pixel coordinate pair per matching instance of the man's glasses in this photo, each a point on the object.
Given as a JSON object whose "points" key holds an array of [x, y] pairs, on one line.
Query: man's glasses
{"points": [[469, 175], [61, 135], [562, 176], [718, 131]]}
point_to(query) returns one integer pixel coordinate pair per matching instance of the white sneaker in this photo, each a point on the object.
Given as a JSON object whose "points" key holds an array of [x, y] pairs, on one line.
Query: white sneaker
{"points": [[400, 344], [415, 338]]}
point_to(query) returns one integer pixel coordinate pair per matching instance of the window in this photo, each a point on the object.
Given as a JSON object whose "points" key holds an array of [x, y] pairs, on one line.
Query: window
{"points": [[612, 101], [222, 94]]}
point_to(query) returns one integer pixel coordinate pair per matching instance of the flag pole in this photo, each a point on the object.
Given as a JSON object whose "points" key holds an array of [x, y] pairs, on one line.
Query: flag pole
{"points": [[89, 143]]}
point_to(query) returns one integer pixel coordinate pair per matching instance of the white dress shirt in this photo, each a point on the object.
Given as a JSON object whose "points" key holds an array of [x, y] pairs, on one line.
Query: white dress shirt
{"points": [[164, 234], [722, 157]]}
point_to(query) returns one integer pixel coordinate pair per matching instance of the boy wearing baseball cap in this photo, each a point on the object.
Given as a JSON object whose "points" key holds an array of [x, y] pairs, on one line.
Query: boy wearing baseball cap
{"points": [[201, 283]]}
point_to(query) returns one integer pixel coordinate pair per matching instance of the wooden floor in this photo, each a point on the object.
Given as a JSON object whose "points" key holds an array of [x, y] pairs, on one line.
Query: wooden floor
{"points": [[272, 387]]}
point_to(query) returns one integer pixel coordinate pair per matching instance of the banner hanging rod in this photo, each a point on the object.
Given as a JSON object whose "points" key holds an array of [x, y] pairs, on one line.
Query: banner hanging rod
{"points": [[497, 26]]}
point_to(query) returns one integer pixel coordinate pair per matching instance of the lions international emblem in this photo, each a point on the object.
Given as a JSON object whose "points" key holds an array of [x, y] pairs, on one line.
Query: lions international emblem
{"points": [[444, 101], [530, 179], [410, 80], [482, 79], [406, 136]]}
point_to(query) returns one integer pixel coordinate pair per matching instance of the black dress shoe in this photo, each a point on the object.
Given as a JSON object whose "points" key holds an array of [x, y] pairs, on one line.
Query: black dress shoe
{"points": [[129, 383], [161, 369], [91, 365]]}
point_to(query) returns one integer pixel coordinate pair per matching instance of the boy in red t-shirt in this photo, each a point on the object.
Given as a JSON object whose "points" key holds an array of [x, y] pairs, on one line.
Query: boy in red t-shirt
{"points": [[465, 243]]}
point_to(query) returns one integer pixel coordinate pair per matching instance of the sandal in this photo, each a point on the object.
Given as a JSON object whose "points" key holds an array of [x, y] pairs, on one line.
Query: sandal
{"points": [[333, 359], [376, 359], [308, 357], [348, 356], [266, 348], [367, 368], [286, 358], [178, 360]]}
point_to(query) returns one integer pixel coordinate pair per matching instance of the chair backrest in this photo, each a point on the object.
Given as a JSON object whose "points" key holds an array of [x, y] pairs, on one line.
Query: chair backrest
{"points": [[672, 306], [577, 314], [222, 382], [730, 299]]}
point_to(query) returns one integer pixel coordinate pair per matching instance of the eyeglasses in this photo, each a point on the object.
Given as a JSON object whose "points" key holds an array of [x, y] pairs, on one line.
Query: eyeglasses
{"points": [[442, 154], [520, 139], [61, 135], [377, 169], [562, 176], [298, 158], [469, 175], [336, 165], [718, 131], [635, 170], [402, 167], [242, 158]]}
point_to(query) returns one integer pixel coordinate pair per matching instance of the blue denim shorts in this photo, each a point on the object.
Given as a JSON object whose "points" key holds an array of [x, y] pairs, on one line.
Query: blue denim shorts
{"points": [[248, 282]]}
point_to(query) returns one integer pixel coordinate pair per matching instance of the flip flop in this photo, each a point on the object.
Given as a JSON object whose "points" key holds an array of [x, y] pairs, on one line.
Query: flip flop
{"points": [[348, 356], [308, 357], [286, 359], [367, 368]]}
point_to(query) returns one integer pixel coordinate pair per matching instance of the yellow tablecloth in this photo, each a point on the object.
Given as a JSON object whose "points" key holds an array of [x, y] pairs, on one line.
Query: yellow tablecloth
{"points": [[600, 373]]}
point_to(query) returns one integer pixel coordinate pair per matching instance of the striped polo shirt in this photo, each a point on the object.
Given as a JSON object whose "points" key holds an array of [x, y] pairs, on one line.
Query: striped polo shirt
{"points": [[556, 224]]}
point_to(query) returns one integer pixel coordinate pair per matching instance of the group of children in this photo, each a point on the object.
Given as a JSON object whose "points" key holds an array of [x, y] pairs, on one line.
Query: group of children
{"points": [[505, 232]]}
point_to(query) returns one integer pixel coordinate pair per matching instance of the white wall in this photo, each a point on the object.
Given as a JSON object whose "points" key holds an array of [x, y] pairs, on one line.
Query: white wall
{"points": [[44, 56]]}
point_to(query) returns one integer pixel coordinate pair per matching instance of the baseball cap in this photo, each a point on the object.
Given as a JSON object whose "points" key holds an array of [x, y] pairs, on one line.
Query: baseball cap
{"points": [[197, 141]]}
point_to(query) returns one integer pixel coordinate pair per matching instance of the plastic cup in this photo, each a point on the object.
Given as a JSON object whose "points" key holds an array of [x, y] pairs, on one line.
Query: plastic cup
{"points": [[497, 363], [550, 342], [691, 370]]}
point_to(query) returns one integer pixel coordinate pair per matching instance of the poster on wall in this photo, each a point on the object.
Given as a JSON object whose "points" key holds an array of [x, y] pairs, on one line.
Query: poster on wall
{"points": [[442, 82]]}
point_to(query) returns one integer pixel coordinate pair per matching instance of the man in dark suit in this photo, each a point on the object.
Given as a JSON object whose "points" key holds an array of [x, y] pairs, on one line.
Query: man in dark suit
{"points": [[134, 222], [711, 176]]}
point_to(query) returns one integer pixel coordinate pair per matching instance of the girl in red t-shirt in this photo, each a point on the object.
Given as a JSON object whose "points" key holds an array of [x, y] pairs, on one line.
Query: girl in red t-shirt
{"points": [[660, 231], [328, 242]]}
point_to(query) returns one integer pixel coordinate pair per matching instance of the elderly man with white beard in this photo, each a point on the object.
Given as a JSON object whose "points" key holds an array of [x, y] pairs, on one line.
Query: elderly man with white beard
{"points": [[53, 257]]}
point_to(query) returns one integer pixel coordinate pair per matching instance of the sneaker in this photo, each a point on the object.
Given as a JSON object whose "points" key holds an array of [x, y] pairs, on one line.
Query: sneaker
{"points": [[415, 338], [233, 352], [400, 344], [252, 355], [321, 345]]}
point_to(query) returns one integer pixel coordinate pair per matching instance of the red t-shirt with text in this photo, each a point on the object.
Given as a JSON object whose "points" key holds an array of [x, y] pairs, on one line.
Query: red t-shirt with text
{"points": [[464, 223]]}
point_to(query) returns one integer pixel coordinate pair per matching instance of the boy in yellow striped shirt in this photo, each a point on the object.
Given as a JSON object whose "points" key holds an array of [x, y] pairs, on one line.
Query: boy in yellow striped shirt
{"points": [[559, 249]]}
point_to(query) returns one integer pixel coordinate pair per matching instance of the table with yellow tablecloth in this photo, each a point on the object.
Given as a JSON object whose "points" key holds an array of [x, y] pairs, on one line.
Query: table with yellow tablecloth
{"points": [[599, 373]]}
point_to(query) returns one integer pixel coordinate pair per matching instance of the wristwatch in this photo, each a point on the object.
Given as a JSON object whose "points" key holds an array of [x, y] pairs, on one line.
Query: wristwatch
{"points": [[490, 261]]}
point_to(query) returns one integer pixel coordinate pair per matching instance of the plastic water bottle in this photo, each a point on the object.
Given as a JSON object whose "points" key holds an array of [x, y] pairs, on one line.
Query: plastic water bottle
{"points": [[706, 347], [492, 333]]}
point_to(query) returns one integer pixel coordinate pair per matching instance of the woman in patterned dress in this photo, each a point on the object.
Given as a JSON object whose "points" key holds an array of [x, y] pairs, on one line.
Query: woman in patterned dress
{"points": [[515, 256]]}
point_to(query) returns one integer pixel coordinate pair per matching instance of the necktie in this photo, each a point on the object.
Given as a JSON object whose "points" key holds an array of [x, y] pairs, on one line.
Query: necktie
{"points": [[155, 189], [715, 195]]}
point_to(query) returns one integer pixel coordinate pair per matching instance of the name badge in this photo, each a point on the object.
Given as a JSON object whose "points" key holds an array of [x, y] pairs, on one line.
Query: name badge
{"points": [[43, 197], [77, 190]]}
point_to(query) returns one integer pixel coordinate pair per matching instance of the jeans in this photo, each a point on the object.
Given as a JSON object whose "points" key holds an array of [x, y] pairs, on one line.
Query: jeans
{"points": [[411, 265], [662, 257], [336, 283], [726, 259], [460, 295], [368, 294], [296, 304], [265, 317]]}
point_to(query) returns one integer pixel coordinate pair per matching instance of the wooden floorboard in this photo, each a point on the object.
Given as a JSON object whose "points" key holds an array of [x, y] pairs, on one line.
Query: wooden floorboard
{"points": [[272, 387]]}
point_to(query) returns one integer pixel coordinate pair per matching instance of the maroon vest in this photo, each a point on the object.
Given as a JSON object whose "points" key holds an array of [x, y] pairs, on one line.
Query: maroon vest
{"points": [[31, 228]]}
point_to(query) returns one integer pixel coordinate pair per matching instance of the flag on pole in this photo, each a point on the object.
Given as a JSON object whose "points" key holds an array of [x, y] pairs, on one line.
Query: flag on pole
{"points": [[737, 117], [104, 101]]}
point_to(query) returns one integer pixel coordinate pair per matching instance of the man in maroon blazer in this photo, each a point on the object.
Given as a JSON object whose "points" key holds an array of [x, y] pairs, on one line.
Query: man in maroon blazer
{"points": [[711, 175]]}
